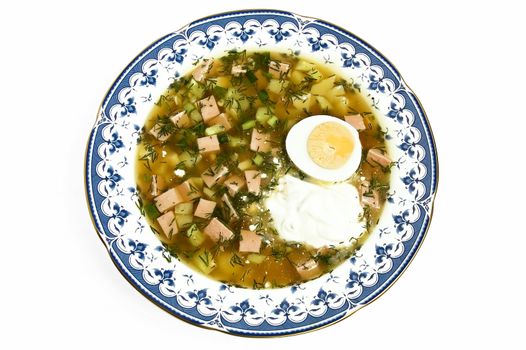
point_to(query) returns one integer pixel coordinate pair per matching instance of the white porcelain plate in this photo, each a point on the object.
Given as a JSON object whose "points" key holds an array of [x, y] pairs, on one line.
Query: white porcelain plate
{"points": [[172, 285]]}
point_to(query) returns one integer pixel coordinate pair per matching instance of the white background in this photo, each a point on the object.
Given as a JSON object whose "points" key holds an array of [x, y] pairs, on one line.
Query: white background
{"points": [[465, 288]]}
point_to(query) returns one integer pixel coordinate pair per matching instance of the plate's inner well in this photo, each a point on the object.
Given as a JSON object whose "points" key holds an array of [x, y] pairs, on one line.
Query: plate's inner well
{"points": [[213, 173]]}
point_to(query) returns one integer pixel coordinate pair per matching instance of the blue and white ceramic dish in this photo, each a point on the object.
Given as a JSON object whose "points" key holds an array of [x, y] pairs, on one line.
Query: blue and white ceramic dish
{"points": [[195, 298]]}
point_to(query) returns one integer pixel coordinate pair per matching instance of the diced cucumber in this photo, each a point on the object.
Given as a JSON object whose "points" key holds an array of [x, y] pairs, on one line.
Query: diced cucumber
{"points": [[240, 100], [256, 258], [189, 107], [273, 121], [209, 193], [248, 125], [277, 86], [195, 236], [195, 88], [204, 260], [187, 159], [244, 165], [195, 115], [197, 182], [219, 92], [185, 208], [183, 220], [263, 114], [234, 141], [258, 159], [214, 130], [304, 66]]}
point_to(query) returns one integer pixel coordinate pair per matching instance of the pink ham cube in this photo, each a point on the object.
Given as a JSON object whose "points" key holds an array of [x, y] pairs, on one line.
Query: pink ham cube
{"points": [[278, 69], [168, 224], [168, 200], [208, 144], [260, 142], [187, 191], [234, 183], [377, 156], [204, 209], [250, 242], [309, 269], [209, 108], [221, 119], [213, 176], [157, 132], [181, 120], [356, 120], [217, 231], [201, 71], [253, 178]]}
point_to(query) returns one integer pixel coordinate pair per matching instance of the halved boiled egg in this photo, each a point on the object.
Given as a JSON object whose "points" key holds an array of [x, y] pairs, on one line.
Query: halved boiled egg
{"points": [[324, 147]]}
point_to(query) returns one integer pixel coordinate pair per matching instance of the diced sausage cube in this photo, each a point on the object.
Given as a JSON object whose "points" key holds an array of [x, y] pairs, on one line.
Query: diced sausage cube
{"points": [[278, 69], [221, 119], [253, 178], [356, 120], [181, 120], [188, 191], [231, 209], [217, 231], [213, 176], [309, 269], [372, 200], [201, 71], [204, 209], [377, 156], [154, 188], [250, 242], [209, 108], [168, 224], [158, 132], [168, 200], [260, 142], [238, 69], [234, 183], [208, 144]]}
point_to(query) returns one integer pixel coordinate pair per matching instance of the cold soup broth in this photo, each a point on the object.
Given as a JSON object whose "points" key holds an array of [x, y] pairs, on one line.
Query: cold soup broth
{"points": [[212, 150]]}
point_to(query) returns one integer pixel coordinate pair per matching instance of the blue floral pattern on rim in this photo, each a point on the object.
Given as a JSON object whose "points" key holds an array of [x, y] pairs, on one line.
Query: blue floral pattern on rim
{"points": [[171, 284]]}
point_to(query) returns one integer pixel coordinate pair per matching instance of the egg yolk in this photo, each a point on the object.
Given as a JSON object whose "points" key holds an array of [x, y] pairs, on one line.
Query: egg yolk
{"points": [[330, 145]]}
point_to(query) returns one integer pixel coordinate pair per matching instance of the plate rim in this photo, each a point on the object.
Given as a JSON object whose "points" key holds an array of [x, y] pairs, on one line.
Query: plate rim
{"points": [[393, 278]]}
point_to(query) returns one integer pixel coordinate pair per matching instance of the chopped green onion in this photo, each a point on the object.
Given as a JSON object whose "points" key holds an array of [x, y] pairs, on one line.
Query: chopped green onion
{"points": [[251, 76], [263, 95], [258, 159], [219, 92]]}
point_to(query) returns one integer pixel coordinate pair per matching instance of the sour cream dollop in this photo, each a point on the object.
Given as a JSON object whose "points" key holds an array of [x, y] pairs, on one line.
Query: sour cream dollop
{"points": [[318, 215]]}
